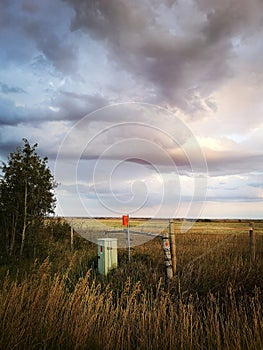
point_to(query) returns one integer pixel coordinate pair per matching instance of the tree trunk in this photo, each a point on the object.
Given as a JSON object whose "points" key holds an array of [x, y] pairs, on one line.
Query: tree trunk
{"points": [[24, 223], [13, 235]]}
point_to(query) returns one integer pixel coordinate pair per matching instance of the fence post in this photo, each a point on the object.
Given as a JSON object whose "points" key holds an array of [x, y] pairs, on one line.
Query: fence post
{"points": [[129, 242], [167, 257], [252, 243], [126, 222], [173, 245], [71, 238]]}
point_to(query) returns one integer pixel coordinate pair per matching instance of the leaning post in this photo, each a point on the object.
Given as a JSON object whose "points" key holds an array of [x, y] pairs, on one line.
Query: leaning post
{"points": [[167, 257]]}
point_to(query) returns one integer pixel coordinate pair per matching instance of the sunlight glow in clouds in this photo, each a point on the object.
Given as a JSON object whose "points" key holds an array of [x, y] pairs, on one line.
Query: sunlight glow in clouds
{"points": [[128, 166]]}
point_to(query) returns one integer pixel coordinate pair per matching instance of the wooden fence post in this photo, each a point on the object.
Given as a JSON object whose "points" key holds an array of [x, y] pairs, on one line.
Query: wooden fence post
{"points": [[167, 257], [173, 245], [71, 238], [252, 243]]}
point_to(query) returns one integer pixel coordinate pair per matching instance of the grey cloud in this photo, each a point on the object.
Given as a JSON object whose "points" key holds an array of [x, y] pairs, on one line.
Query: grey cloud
{"points": [[171, 63], [13, 115], [5, 148], [74, 106], [43, 26], [9, 113], [220, 163], [70, 106], [211, 104], [93, 101], [233, 198], [257, 185], [7, 89], [256, 180], [62, 55], [225, 20]]}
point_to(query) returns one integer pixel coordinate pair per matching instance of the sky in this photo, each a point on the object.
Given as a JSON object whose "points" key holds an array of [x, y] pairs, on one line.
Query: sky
{"points": [[147, 108]]}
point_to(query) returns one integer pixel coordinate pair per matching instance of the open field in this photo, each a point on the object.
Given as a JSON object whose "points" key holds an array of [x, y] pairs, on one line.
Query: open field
{"points": [[214, 302], [92, 229]]}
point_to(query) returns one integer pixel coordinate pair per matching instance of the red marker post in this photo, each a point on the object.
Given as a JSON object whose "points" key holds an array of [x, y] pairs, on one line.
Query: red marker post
{"points": [[125, 222]]}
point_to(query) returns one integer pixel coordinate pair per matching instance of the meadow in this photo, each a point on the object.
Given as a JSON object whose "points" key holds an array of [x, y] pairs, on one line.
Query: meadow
{"points": [[57, 299]]}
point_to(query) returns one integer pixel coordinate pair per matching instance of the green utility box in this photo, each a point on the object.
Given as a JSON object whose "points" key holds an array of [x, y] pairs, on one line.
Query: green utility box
{"points": [[107, 255]]}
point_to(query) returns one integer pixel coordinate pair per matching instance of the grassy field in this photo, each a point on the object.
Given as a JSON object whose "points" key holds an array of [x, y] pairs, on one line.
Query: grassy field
{"points": [[214, 302]]}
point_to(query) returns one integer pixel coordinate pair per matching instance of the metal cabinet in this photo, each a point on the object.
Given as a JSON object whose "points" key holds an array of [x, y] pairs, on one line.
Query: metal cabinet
{"points": [[107, 255]]}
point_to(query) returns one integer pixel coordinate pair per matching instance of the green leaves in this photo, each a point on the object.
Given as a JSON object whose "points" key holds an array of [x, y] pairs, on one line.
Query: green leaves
{"points": [[26, 193]]}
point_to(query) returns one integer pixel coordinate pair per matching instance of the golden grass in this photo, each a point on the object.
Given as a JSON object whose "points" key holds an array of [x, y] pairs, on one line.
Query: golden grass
{"points": [[40, 313], [215, 301]]}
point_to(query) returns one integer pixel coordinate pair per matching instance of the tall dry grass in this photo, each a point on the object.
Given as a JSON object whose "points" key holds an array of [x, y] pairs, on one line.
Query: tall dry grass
{"points": [[215, 301], [41, 313]]}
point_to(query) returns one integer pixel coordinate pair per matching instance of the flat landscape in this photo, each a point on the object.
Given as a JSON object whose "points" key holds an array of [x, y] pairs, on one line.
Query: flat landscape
{"points": [[94, 228], [58, 299]]}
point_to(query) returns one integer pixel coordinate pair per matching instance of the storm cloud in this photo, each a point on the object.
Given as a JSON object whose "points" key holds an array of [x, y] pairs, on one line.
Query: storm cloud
{"points": [[183, 51], [198, 63]]}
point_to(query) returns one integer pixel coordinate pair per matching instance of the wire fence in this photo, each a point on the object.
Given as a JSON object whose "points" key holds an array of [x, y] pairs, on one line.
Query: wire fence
{"points": [[143, 230]]}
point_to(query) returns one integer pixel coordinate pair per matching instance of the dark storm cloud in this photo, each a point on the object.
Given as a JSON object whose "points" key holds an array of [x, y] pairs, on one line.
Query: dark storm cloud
{"points": [[68, 106], [13, 115], [7, 89], [28, 27], [5, 149], [62, 55], [73, 106], [183, 66], [9, 113]]}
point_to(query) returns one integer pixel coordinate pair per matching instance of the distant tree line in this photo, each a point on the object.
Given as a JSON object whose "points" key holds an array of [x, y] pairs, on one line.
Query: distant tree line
{"points": [[26, 197]]}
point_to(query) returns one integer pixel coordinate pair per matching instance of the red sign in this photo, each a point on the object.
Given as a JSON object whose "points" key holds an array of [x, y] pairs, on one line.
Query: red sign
{"points": [[125, 220]]}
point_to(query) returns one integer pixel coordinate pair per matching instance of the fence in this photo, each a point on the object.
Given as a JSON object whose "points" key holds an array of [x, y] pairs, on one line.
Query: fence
{"points": [[169, 245], [132, 236]]}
